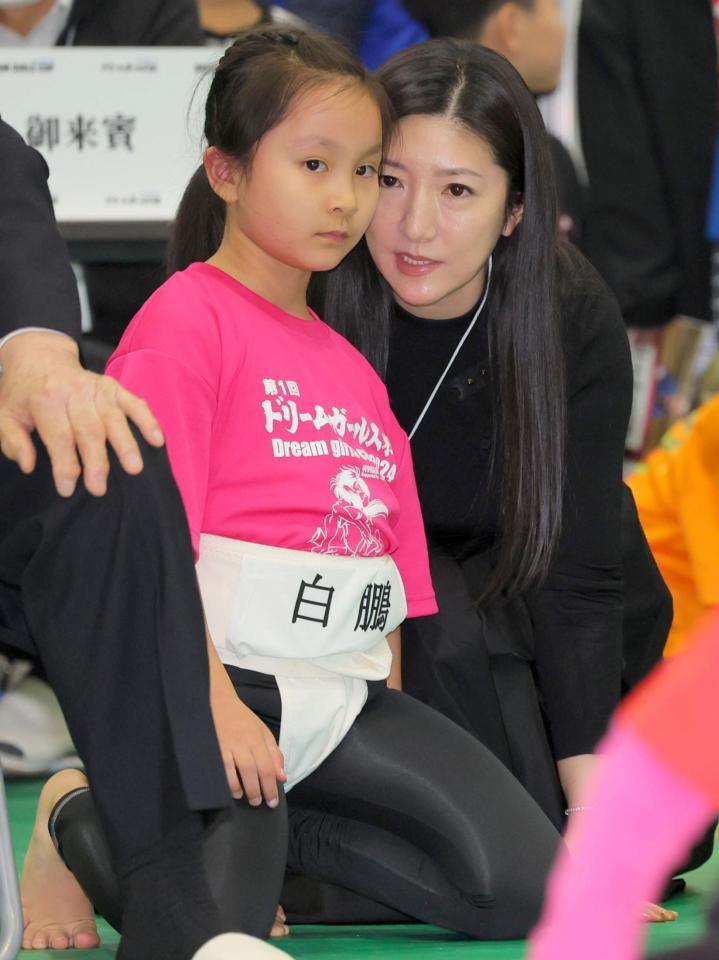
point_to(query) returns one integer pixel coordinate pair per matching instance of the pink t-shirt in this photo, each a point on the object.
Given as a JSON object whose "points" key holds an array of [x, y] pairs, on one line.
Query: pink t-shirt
{"points": [[278, 431]]}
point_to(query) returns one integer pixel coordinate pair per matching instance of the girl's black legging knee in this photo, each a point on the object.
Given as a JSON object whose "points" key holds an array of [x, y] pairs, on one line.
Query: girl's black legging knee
{"points": [[409, 810]]}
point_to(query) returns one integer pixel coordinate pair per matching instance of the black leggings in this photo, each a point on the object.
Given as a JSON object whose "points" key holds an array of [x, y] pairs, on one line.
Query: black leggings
{"points": [[409, 810]]}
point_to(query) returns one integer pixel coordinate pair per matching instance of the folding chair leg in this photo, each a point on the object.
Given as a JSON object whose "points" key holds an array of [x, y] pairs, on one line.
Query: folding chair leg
{"points": [[11, 924]]}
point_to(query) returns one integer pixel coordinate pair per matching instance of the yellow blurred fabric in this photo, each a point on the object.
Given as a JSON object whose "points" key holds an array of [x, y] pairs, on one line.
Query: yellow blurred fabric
{"points": [[677, 495]]}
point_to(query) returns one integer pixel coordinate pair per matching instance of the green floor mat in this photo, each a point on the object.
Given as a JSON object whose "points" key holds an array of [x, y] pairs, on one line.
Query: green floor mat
{"points": [[417, 942]]}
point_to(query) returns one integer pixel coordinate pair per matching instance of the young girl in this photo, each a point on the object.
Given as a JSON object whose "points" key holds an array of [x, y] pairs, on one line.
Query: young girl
{"points": [[298, 487]]}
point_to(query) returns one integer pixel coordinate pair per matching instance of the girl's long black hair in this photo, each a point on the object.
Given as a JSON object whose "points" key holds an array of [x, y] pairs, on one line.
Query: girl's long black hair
{"points": [[253, 89], [480, 90]]}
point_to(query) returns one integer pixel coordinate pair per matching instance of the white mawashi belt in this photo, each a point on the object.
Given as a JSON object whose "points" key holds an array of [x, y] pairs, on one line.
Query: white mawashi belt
{"points": [[317, 623]]}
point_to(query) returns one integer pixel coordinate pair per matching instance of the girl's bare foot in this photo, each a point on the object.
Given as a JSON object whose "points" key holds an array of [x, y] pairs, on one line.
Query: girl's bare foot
{"points": [[279, 925], [653, 913], [57, 913]]}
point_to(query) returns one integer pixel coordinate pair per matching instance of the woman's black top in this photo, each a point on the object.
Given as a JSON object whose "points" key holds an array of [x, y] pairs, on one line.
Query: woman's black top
{"points": [[577, 612]]}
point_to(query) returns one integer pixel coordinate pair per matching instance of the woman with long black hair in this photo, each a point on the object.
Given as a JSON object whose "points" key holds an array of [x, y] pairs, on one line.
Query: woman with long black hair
{"points": [[507, 364]]}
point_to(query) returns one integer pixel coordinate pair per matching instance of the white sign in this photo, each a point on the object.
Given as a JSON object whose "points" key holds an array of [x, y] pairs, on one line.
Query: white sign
{"points": [[120, 127]]}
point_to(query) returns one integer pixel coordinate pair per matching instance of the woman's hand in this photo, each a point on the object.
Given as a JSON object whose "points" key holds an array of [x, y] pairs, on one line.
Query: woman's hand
{"points": [[576, 774], [253, 761]]}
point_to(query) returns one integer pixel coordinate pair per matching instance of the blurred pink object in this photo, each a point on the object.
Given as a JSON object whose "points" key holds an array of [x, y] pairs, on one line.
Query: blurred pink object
{"points": [[654, 793]]}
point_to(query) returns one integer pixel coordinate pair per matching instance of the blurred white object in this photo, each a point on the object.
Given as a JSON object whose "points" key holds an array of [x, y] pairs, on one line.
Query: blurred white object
{"points": [[34, 738], [11, 922], [85, 308], [559, 108], [238, 946]]}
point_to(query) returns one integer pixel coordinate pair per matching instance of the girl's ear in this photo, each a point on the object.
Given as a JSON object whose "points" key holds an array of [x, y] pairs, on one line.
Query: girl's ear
{"points": [[513, 220], [222, 174]]}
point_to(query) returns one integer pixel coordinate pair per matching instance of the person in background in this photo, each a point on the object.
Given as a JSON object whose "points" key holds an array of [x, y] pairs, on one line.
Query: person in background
{"points": [[85, 23], [114, 290], [222, 20], [389, 29], [647, 98], [346, 21], [376, 29], [530, 34], [33, 737], [59, 542]]}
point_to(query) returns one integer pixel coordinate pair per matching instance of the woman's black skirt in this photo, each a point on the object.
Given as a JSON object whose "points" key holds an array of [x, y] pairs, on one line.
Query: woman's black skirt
{"points": [[475, 665]]}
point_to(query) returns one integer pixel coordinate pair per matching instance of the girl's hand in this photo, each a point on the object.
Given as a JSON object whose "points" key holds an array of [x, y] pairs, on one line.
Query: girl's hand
{"points": [[394, 680], [253, 761]]}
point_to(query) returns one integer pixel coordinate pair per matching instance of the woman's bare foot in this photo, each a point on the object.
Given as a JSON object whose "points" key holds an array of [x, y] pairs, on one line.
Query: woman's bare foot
{"points": [[279, 926], [57, 913], [653, 913]]}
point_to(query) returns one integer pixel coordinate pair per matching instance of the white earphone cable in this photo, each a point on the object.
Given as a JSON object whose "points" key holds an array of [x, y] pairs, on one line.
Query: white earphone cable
{"points": [[467, 332]]}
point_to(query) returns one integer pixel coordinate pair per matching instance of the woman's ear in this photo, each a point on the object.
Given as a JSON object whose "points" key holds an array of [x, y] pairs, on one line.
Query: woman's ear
{"points": [[513, 220], [222, 174]]}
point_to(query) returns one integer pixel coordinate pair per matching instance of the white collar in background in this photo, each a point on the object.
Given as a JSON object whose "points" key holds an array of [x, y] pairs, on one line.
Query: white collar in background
{"points": [[45, 34]]}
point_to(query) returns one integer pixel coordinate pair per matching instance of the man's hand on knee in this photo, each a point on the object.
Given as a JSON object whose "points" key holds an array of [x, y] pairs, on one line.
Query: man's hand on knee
{"points": [[76, 413]]}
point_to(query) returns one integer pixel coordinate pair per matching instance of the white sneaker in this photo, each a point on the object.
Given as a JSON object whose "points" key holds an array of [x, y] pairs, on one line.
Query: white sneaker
{"points": [[238, 946], [34, 738]]}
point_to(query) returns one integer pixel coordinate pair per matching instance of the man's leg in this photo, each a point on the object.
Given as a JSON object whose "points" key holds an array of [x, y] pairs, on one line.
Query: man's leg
{"points": [[104, 590]]}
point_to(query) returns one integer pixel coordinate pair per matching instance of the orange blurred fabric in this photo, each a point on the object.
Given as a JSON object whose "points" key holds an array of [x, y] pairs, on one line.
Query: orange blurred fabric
{"points": [[677, 494]]}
